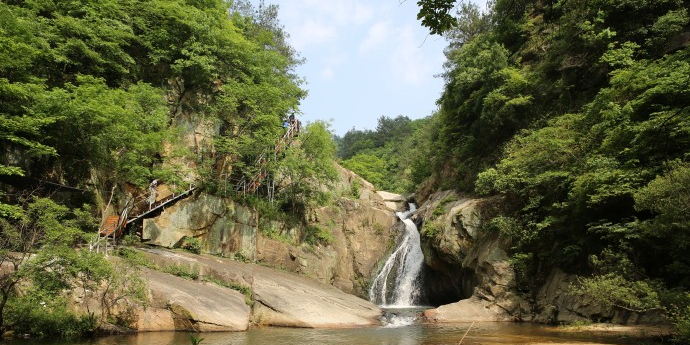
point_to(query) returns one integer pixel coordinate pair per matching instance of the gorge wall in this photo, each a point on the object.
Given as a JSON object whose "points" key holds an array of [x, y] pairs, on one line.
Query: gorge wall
{"points": [[470, 274], [361, 229]]}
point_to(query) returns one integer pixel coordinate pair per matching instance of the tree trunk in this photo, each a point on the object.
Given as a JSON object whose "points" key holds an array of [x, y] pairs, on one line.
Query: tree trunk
{"points": [[3, 302]]}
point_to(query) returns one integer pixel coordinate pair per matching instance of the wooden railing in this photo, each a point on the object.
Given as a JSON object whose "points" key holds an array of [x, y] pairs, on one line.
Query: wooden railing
{"points": [[248, 185], [114, 226]]}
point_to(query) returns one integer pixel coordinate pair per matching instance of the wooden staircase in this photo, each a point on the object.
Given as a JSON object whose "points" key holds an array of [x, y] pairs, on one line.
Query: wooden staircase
{"points": [[161, 204], [110, 226], [113, 227]]}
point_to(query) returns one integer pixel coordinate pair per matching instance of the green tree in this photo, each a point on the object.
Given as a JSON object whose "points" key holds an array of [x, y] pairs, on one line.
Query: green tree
{"points": [[392, 129], [308, 168], [37, 247], [356, 141], [111, 130], [369, 167], [668, 199], [577, 119]]}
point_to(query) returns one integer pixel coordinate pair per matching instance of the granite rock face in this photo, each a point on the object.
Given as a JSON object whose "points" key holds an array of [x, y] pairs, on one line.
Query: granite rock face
{"points": [[279, 298], [361, 227], [184, 305], [468, 271], [473, 271]]}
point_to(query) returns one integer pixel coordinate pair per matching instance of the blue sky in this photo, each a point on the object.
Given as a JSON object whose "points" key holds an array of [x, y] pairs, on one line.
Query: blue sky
{"points": [[364, 59]]}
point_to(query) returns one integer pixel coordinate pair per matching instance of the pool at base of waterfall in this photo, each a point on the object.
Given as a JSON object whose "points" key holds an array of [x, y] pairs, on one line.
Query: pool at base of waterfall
{"points": [[394, 317], [413, 334]]}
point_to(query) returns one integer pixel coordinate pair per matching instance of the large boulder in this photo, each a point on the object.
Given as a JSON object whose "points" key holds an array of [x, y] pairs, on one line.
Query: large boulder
{"points": [[463, 262], [283, 299], [472, 309], [279, 298], [223, 226], [395, 202], [186, 305]]}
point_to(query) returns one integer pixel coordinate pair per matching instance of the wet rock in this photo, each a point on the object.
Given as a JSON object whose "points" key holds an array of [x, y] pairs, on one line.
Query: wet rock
{"points": [[468, 310]]}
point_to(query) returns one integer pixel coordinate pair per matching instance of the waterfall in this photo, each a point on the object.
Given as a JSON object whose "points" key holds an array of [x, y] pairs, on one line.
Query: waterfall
{"points": [[398, 284]]}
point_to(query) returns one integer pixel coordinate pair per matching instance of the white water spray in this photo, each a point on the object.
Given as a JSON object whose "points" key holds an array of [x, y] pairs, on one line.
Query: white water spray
{"points": [[398, 283]]}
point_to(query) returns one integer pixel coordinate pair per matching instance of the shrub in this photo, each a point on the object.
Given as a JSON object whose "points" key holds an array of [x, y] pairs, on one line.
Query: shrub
{"points": [[680, 318], [43, 315], [317, 235], [134, 257], [612, 289], [379, 228], [355, 189], [192, 245], [130, 240], [430, 229], [182, 271], [440, 208]]}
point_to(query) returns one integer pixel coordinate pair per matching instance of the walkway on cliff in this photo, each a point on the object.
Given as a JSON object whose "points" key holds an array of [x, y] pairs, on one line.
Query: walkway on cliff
{"points": [[114, 226], [249, 184]]}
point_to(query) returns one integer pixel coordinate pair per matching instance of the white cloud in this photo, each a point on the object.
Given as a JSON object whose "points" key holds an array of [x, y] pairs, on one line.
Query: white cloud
{"points": [[331, 63], [341, 12], [362, 13], [378, 35], [327, 73], [409, 62], [311, 33], [313, 23]]}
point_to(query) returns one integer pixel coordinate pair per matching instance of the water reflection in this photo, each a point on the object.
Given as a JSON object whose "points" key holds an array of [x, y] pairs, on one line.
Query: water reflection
{"points": [[417, 334]]}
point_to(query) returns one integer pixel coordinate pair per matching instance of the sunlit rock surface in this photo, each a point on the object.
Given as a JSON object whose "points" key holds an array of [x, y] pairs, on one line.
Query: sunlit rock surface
{"points": [[360, 224], [280, 298], [189, 305]]}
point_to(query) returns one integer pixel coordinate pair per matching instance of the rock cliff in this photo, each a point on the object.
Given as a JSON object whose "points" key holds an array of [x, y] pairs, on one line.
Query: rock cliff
{"points": [[360, 227], [468, 271], [469, 274]]}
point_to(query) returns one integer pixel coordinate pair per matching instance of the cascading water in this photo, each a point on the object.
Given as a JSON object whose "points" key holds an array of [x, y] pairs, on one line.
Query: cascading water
{"points": [[398, 284]]}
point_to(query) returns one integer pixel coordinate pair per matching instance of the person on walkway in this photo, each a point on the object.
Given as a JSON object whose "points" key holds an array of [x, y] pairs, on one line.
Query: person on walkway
{"points": [[152, 193]]}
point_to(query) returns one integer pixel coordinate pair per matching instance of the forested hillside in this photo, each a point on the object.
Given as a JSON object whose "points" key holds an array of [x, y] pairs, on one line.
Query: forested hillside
{"points": [[97, 87], [384, 156], [574, 118], [99, 98]]}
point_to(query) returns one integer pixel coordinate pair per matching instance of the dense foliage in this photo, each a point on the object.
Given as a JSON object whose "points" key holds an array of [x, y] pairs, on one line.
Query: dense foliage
{"points": [[384, 156], [37, 256], [96, 95], [96, 86], [576, 114]]}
